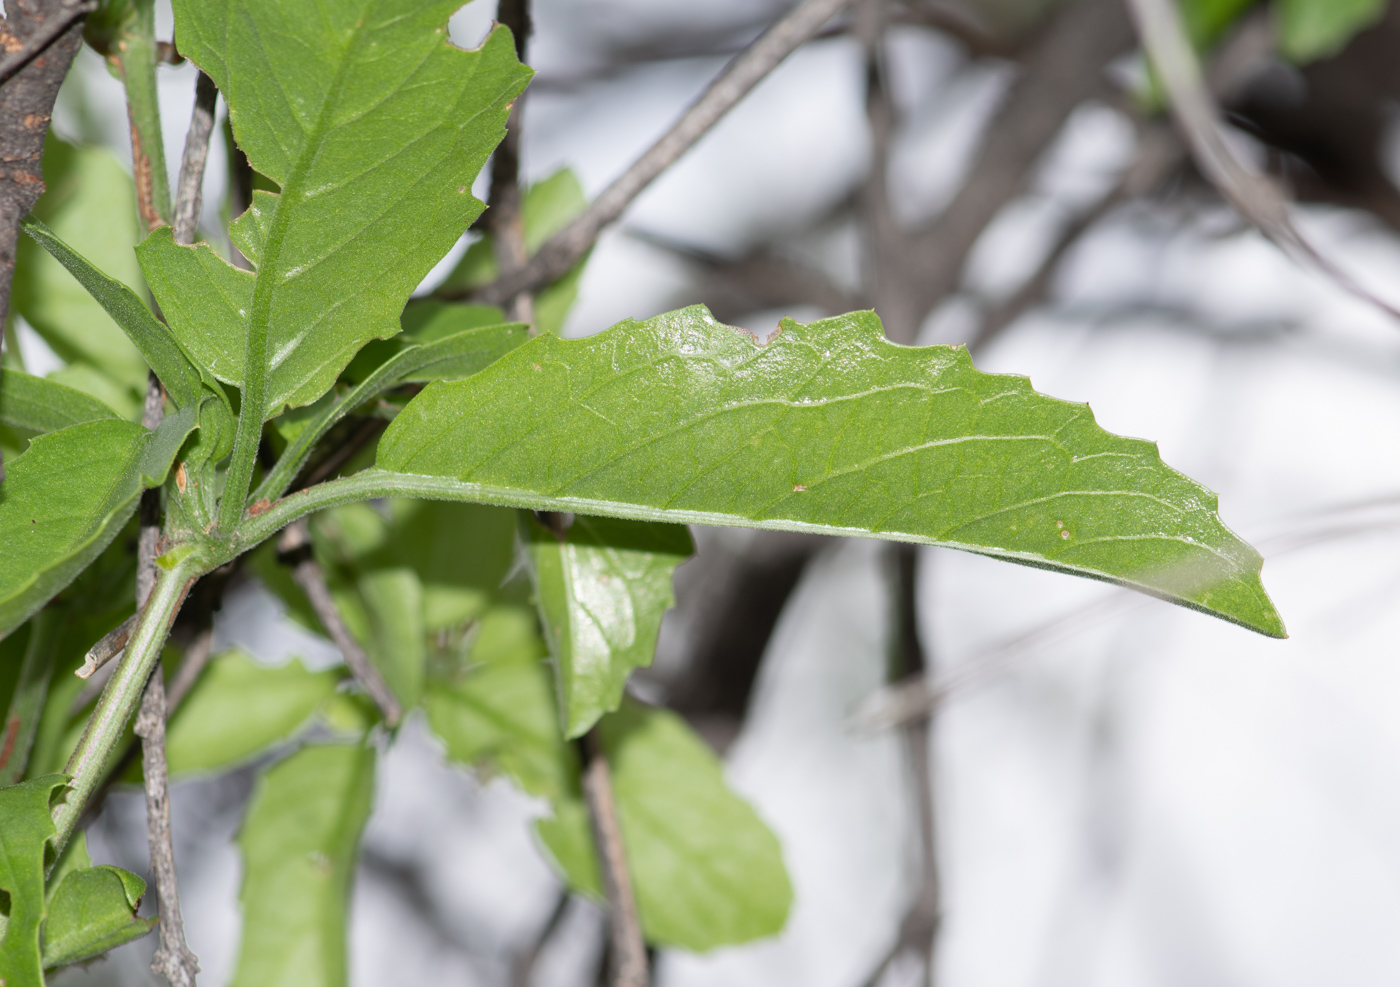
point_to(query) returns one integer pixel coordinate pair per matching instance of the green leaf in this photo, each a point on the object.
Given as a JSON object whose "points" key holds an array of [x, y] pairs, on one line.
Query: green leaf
{"points": [[61, 504], [829, 428], [92, 911], [166, 441], [500, 714], [374, 126], [450, 357], [44, 405], [181, 378], [26, 826], [1206, 20], [393, 632], [706, 870], [90, 202], [1311, 29], [602, 589], [299, 842], [239, 709]]}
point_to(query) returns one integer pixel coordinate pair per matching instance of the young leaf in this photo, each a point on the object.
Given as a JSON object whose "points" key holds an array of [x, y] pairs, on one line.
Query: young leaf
{"points": [[299, 841], [26, 826], [394, 635], [1310, 29], [827, 427], [93, 910], [602, 588], [373, 126], [64, 500], [706, 869], [239, 709], [43, 405]]}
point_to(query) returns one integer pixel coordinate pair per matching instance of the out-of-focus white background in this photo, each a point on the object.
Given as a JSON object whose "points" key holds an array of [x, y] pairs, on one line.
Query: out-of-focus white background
{"points": [[1126, 793]]}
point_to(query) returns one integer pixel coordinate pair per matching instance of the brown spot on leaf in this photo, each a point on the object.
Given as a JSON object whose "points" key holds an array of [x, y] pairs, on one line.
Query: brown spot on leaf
{"points": [[799, 487], [182, 478], [259, 507]]}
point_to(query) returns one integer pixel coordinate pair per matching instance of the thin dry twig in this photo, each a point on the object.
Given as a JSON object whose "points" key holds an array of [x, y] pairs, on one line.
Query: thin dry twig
{"points": [[111, 645], [196, 659], [524, 966], [1257, 197], [628, 954], [189, 196], [564, 249], [294, 548]]}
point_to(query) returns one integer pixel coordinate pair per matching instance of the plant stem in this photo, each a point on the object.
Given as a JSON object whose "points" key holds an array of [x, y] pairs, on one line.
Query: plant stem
{"points": [[54, 24], [628, 956], [503, 208], [295, 547], [123, 693], [27, 704], [136, 55]]}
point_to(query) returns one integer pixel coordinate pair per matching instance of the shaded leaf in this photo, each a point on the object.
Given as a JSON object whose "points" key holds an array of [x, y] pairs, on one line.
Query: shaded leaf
{"points": [[828, 428], [1310, 29], [43, 405], [392, 629], [299, 842], [26, 826], [374, 127], [602, 588], [93, 910], [61, 504], [238, 709]]}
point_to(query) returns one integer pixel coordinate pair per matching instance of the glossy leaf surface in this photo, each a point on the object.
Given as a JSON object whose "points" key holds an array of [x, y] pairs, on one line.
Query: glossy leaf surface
{"points": [[26, 826], [602, 587], [829, 428], [62, 502], [373, 126], [239, 709], [299, 842], [93, 910]]}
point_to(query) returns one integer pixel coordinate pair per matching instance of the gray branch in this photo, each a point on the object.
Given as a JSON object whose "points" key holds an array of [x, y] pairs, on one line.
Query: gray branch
{"points": [[189, 195], [564, 249], [628, 956]]}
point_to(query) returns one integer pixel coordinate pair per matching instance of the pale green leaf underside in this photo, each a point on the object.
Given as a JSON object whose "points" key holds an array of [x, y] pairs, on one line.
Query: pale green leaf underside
{"points": [[602, 589], [374, 126], [299, 841], [61, 504], [829, 428], [1310, 29]]}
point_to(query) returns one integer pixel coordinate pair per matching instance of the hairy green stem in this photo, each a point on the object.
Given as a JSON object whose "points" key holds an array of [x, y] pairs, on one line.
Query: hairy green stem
{"points": [[27, 704], [123, 693], [137, 56]]}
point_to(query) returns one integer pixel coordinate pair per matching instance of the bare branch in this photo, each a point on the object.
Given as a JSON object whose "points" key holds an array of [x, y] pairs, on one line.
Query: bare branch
{"points": [[503, 214], [1256, 196], [1062, 68], [54, 24], [628, 955], [294, 547], [107, 648], [189, 194], [565, 248], [27, 93], [173, 959], [196, 659]]}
